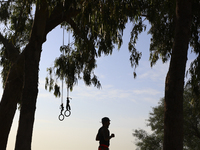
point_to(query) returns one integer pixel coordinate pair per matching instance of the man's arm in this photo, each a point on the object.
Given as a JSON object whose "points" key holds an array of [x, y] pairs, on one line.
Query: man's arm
{"points": [[107, 136]]}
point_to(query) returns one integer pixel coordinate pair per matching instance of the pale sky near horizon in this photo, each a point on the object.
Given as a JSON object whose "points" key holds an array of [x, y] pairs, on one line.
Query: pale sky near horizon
{"points": [[125, 100]]}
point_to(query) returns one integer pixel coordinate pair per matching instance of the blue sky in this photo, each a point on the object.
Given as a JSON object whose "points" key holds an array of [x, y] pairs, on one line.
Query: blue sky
{"points": [[125, 100]]}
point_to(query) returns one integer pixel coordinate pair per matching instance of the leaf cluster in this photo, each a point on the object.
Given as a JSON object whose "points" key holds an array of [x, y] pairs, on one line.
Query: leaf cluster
{"points": [[96, 30], [147, 141], [161, 17], [191, 119], [71, 66], [16, 19], [6, 66], [191, 109], [153, 141], [101, 24], [194, 69]]}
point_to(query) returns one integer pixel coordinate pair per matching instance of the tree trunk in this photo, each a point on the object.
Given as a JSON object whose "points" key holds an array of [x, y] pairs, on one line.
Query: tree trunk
{"points": [[174, 84], [32, 54], [11, 96], [29, 97]]}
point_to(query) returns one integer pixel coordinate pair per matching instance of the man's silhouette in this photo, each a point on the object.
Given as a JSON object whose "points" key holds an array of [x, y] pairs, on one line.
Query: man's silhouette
{"points": [[103, 135]]}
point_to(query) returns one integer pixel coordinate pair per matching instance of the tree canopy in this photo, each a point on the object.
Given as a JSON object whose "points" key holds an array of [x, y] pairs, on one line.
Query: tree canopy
{"points": [[97, 27]]}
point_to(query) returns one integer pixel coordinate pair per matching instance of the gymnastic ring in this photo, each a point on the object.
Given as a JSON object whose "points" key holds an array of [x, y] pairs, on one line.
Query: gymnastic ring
{"points": [[67, 113], [61, 117]]}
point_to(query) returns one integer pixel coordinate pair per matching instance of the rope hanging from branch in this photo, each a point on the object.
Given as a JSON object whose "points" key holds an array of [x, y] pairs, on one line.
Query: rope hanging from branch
{"points": [[67, 112]]}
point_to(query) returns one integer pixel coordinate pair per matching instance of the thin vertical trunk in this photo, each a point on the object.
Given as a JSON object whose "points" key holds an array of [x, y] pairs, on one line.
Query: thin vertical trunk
{"points": [[12, 91], [11, 96], [174, 84]]}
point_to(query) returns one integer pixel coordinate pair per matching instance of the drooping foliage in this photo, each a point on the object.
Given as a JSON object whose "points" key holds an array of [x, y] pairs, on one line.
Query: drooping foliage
{"points": [[161, 15], [16, 19], [96, 31], [97, 26]]}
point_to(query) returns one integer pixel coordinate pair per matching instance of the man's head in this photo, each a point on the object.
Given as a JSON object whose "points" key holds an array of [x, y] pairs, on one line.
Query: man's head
{"points": [[105, 121]]}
